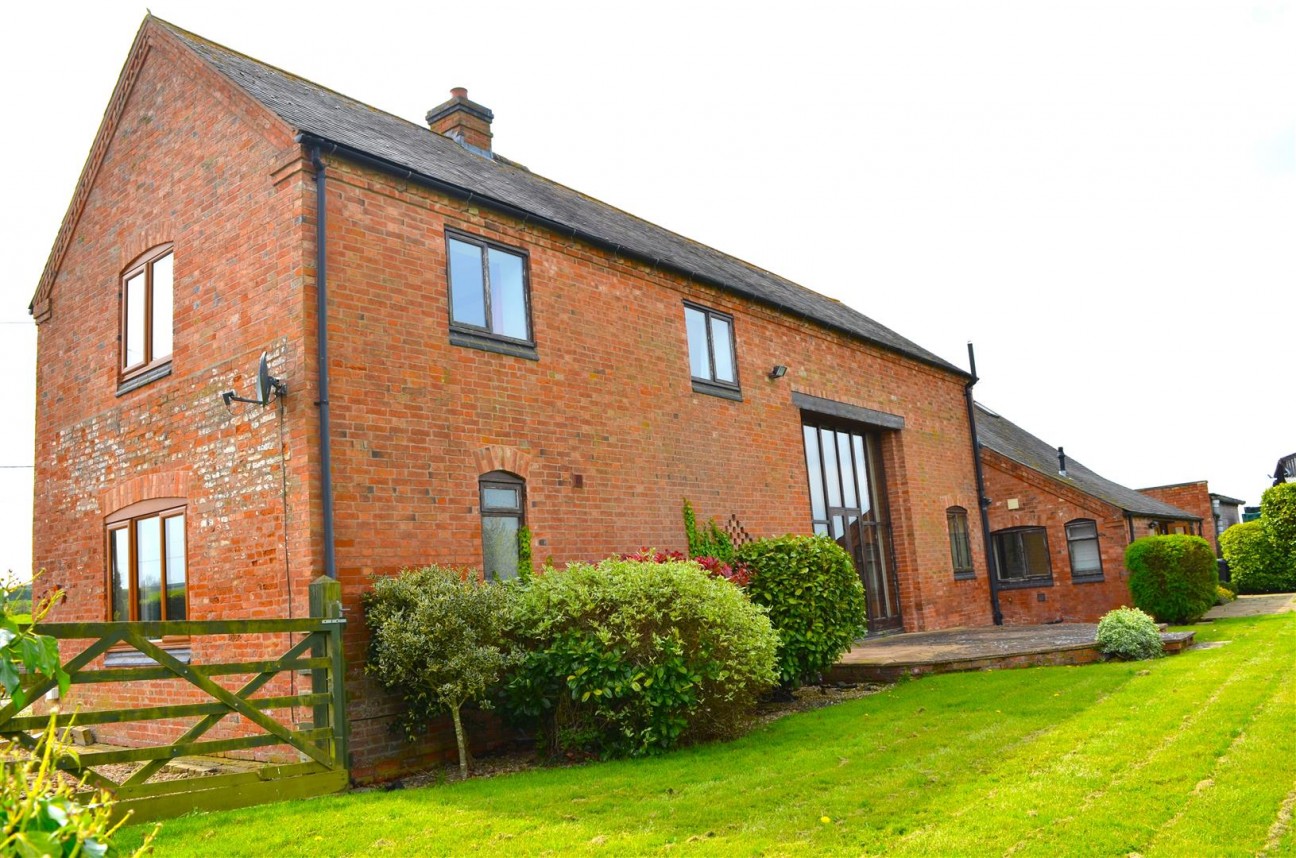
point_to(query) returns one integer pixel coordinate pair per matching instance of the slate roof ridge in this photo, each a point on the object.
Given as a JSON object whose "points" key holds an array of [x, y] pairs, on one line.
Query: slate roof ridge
{"points": [[411, 146], [1006, 438]]}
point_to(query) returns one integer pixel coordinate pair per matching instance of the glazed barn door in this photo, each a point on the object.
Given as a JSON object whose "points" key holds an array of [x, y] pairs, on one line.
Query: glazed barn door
{"points": [[848, 504]]}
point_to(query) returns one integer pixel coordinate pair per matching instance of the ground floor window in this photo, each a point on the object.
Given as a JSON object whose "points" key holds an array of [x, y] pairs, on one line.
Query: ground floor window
{"points": [[956, 519], [1082, 545], [147, 562], [1023, 556], [503, 504]]}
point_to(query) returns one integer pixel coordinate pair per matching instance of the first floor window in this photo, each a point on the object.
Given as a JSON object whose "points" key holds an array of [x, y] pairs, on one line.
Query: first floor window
{"points": [[960, 545], [711, 347], [488, 288], [503, 501], [1082, 545], [146, 306], [146, 561], [1022, 554]]}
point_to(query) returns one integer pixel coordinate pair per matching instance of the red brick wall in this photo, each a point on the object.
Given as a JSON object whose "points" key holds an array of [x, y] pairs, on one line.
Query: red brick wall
{"points": [[604, 426], [192, 164], [1047, 503], [1192, 498]]}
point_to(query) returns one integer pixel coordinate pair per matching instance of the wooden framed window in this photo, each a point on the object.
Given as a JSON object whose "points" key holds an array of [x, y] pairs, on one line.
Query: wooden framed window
{"points": [[147, 562], [956, 519], [1082, 546], [713, 357], [147, 311], [490, 296], [503, 508], [1023, 556]]}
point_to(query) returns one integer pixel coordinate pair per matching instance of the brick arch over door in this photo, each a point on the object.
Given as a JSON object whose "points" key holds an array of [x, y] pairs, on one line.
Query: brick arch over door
{"points": [[497, 457]]}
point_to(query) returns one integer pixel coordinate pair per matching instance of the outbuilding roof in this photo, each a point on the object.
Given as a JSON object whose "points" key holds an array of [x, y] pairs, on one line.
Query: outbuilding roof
{"points": [[320, 113], [1008, 439]]}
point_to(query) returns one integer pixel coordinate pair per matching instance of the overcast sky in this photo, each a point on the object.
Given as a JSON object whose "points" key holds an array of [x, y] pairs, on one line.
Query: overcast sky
{"points": [[1102, 196]]}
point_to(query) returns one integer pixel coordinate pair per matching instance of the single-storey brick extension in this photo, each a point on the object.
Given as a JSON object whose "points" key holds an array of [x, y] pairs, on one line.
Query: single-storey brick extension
{"points": [[466, 349], [1058, 530]]}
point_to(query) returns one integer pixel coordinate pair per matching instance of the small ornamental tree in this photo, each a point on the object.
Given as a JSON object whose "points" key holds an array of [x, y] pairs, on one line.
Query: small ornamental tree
{"points": [[1174, 578], [814, 597], [437, 639]]}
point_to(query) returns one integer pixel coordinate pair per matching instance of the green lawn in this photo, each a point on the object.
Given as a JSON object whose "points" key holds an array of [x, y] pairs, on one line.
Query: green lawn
{"points": [[1189, 755]]}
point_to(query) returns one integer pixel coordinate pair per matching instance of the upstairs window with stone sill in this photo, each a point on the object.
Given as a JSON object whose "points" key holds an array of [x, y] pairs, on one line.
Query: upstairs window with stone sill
{"points": [[147, 323], [713, 360], [490, 307]]}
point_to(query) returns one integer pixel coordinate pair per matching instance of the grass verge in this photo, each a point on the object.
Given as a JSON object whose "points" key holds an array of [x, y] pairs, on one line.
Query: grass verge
{"points": [[1194, 754]]}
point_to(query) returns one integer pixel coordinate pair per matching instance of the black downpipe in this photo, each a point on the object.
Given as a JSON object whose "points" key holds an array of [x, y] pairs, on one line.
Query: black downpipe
{"points": [[322, 356], [982, 500]]}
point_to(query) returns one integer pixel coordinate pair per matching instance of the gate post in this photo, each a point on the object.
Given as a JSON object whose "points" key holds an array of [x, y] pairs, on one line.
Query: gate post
{"points": [[326, 605]]}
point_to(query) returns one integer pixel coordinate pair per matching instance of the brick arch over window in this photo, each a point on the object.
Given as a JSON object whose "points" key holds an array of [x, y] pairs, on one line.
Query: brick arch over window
{"points": [[497, 457], [168, 484]]}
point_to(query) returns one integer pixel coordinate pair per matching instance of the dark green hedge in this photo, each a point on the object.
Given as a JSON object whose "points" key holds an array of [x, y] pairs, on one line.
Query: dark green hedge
{"points": [[1173, 578], [814, 597]]}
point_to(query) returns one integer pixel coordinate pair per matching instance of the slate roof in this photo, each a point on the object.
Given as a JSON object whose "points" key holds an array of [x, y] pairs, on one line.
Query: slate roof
{"points": [[1014, 442], [313, 110]]}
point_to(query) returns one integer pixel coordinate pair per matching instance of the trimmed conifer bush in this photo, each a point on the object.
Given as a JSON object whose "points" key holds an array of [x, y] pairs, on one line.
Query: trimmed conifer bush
{"points": [[814, 597], [1174, 578]]}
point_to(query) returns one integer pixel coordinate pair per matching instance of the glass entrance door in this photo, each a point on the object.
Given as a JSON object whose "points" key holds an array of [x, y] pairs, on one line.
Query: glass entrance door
{"points": [[848, 504]]}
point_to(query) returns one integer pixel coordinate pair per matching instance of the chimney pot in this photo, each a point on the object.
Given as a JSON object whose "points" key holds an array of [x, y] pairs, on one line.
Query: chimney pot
{"points": [[459, 92]]}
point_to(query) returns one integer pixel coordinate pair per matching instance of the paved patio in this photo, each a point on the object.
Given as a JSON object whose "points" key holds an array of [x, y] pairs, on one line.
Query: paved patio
{"points": [[1250, 606], [884, 659]]}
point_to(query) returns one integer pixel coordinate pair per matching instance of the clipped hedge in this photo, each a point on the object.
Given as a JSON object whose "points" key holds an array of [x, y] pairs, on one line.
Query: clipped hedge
{"points": [[814, 597], [1128, 633], [630, 658], [1174, 578], [1257, 563]]}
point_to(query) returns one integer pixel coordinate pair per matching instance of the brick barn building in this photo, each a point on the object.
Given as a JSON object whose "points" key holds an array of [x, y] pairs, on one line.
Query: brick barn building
{"points": [[466, 347]]}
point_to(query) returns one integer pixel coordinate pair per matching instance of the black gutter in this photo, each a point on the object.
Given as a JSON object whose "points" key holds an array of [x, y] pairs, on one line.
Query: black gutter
{"points": [[452, 190], [322, 356], [983, 502]]}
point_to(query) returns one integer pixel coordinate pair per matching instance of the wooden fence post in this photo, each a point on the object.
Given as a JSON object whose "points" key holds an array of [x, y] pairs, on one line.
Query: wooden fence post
{"points": [[326, 604]]}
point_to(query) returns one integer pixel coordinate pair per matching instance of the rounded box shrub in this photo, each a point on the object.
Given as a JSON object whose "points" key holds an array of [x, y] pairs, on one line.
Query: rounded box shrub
{"points": [[814, 597], [630, 658], [1174, 578], [1257, 563], [1128, 633]]}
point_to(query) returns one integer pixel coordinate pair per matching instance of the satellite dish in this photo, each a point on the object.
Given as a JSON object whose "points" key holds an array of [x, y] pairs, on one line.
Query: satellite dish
{"points": [[267, 386], [264, 384]]}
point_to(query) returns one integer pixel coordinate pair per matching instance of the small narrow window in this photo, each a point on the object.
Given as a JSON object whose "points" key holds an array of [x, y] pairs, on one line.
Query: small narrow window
{"points": [[147, 310], [960, 544], [146, 562], [1023, 557], [1082, 545], [503, 503], [488, 289], [713, 362]]}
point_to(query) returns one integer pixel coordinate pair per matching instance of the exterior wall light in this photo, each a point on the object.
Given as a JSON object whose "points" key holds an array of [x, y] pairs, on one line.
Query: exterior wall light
{"points": [[777, 372]]}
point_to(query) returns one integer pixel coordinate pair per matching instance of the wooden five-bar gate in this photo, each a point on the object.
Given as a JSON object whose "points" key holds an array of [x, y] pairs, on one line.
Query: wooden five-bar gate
{"points": [[320, 745]]}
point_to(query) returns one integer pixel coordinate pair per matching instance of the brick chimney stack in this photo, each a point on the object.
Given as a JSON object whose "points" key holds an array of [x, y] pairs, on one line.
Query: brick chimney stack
{"points": [[463, 120]]}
